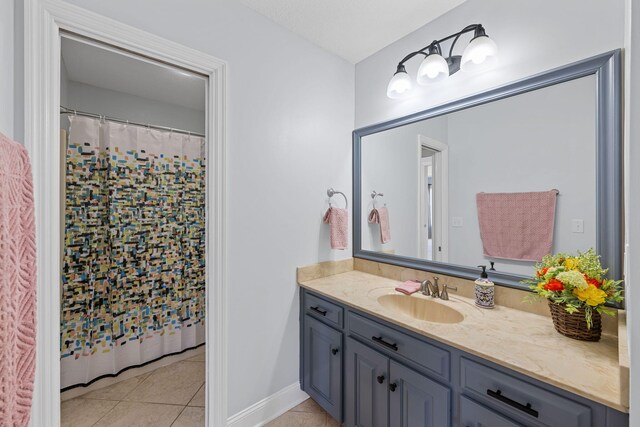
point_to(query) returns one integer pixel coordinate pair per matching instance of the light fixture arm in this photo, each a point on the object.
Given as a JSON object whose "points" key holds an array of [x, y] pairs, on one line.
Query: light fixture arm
{"points": [[436, 43]]}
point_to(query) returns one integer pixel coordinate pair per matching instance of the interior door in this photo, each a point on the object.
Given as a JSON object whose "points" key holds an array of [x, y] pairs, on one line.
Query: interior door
{"points": [[367, 381], [415, 400], [323, 366]]}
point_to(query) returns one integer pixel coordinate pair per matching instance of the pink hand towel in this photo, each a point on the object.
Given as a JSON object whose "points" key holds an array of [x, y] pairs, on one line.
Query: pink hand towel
{"points": [[517, 226], [17, 284], [338, 220], [381, 216], [409, 287]]}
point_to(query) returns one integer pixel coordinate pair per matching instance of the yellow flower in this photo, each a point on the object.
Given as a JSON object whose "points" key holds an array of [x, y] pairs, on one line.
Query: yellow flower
{"points": [[591, 295], [571, 264]]}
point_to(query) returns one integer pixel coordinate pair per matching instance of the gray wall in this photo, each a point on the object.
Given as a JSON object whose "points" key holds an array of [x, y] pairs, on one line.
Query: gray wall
{"points": [[533, 142], [390, 165], [6, 67], [536, 141], [532, 36], [290, 113], [112, 103], [632, 193]]}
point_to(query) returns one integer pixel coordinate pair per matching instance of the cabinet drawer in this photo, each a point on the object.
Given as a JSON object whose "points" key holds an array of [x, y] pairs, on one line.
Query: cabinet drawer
{"points": [[473, 414], [517, 398], [324, 310], [432, 359]]}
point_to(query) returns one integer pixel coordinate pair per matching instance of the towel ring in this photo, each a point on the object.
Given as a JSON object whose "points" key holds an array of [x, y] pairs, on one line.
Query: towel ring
{"points": [[375, 194], [331, 192]]}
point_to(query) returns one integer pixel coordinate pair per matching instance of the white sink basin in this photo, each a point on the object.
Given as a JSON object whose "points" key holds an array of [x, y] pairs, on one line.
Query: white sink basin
{"points": [[421, 309]]}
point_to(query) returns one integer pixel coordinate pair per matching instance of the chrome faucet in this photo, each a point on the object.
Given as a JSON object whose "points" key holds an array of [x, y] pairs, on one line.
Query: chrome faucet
{"points": [[425, 286]]}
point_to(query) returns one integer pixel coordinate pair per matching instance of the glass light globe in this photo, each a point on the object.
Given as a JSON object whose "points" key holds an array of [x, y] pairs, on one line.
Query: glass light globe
{"points": [[434, 68], [482, 53], [399, 86]]}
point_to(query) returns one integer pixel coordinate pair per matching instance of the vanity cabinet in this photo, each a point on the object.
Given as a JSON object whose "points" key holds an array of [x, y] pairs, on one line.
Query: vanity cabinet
{"points": [[397, 378], [381, 392], [322, 357]]}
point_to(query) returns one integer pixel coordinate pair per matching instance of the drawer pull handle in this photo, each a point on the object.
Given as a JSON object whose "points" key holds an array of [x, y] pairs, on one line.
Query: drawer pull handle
{"points": [[524, 408], [334, 351], [380, 379], [318, 310], [379, 340], [393, 386]]}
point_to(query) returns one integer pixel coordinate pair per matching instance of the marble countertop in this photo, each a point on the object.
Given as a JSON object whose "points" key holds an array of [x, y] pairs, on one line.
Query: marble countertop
{"points": [[518, 340]]}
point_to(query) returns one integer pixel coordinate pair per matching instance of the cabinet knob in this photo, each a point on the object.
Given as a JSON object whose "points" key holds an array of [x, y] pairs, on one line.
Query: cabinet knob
{"points": [[334, 351], [393, 386], [380, 379]]}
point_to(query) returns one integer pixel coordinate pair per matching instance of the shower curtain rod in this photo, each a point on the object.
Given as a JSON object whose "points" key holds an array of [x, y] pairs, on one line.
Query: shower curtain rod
{"points": [[65, 110]]}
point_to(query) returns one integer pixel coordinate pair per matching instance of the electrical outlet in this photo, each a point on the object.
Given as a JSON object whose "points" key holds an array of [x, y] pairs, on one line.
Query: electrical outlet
{"points": [[577, 226], [456, 221]]}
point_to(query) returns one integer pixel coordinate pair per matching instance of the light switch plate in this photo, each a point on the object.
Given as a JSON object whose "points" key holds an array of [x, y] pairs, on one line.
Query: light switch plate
{"points": [[577, 226], [456, 221]]}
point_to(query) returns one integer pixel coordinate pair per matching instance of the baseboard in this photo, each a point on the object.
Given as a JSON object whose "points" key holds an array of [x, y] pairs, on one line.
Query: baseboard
{"points": [[269, 408]]}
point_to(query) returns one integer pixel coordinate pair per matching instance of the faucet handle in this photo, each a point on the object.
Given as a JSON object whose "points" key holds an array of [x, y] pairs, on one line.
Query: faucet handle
{"points": [[444, 294]]}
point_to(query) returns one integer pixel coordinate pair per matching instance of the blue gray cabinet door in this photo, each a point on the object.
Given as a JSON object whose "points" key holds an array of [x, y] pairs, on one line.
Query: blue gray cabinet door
{"points": [[415, 400], [322, 360], [366, 386], [473, 414]]}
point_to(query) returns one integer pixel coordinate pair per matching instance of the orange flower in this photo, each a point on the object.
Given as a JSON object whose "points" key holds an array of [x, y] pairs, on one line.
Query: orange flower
{"points": [[595, 282], [554, 285], [542, 272]]}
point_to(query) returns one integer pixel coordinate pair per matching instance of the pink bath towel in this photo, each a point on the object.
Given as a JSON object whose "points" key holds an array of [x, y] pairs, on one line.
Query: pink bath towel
{"points": [[17, 284], [381, 216], [517, 226], [338, 220], [409, 287]]}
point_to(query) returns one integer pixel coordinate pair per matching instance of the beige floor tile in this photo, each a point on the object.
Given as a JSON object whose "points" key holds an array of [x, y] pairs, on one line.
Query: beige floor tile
{"points": [[308, 405], [331, 422], [138, 414], [84, 412], [300, 419], [198, 358], [198, 399], [190, 417], [117, 391], [174, 384]]}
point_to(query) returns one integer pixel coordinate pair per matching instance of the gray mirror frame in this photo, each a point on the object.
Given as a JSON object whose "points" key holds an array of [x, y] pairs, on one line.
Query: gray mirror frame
{"points": [[609, 173]]}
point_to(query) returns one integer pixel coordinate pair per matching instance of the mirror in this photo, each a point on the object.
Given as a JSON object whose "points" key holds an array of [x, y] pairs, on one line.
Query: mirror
{"points": [[445, 190]]}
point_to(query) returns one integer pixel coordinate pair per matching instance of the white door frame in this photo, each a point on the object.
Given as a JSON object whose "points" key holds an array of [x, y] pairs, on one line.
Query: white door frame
{"points": [[44, 19], [440, 196]]}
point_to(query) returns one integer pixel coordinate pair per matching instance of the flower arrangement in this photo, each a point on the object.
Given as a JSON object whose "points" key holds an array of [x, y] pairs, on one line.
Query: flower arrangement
{"points": [[576, 282]]}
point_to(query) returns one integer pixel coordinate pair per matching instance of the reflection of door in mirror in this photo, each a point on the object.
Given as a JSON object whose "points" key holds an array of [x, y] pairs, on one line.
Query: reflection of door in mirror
{"points": [[433, 223]]}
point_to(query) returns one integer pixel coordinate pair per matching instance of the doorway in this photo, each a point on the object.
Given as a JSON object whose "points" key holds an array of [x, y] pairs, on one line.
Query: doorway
{"points": [[133, 293], [434, 199], [45, 23]]}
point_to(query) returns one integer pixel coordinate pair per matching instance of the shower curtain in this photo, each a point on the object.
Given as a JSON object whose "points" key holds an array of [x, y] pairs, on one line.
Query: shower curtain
{"points": [[133, 281]]}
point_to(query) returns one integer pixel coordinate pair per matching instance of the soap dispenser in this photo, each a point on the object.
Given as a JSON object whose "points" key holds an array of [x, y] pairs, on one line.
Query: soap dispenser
{"points": [[484, 289]]}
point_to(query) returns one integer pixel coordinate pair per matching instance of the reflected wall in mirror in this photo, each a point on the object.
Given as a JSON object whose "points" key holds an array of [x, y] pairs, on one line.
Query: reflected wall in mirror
{"points": [[556, 131], [430, 172]]}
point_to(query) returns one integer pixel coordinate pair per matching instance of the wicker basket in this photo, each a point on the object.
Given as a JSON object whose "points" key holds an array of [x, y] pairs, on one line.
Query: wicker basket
{"points": [[574, 325]]}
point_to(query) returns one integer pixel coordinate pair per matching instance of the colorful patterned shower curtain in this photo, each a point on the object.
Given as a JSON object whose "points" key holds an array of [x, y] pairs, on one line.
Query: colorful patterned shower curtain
{"points": [[133, 282]]}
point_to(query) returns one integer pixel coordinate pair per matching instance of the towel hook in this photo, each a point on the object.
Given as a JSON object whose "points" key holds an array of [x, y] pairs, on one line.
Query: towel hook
{"points": [[331, 192]]}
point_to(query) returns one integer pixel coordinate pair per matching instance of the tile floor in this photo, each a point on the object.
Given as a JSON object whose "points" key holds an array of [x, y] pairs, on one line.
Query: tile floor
{"points": [[172, 395], [307, 414]]}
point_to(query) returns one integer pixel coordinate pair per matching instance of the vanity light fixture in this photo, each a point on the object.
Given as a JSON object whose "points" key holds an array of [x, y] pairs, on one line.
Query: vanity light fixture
{"points": [[480, 54]]}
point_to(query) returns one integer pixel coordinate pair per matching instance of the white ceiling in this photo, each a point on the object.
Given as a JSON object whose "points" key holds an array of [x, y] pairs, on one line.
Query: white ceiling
{"points": [[106, 69], [352, 29]]}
